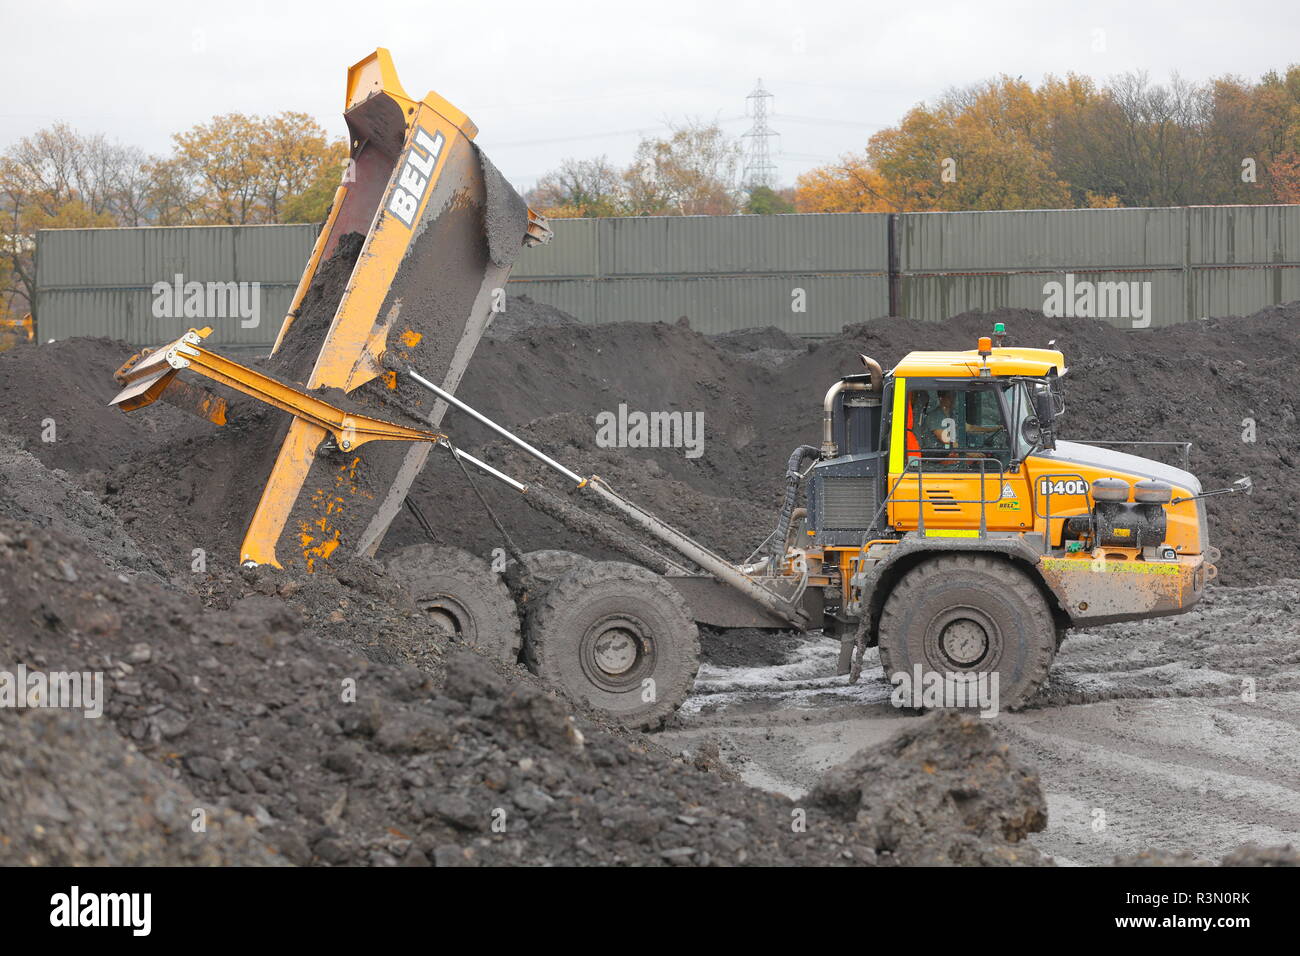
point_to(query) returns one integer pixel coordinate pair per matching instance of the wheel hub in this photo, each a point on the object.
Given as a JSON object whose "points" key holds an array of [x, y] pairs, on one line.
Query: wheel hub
{"points": [[617, 652], [964, 642], [450, 616]]}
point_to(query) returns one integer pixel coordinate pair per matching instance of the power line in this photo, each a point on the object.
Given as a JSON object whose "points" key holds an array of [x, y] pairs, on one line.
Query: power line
{"points": [[639, 131], [821, 121]]}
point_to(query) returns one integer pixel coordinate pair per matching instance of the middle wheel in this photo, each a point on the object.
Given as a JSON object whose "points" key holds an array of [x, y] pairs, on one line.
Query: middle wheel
{"points": [[617, 636]]}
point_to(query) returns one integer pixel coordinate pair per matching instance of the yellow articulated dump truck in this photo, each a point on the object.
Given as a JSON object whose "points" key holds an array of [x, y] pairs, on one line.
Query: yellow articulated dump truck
{"points": [[16, 331], [946, 524], [938, 518]]}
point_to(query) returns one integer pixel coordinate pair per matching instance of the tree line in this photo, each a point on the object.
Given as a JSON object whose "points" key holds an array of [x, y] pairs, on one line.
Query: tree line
{"points": [[1000, 144], [233, 170], [1069, 143]]}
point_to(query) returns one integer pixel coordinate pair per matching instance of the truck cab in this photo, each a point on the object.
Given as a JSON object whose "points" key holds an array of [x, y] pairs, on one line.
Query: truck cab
{"points": [[955, 453]]}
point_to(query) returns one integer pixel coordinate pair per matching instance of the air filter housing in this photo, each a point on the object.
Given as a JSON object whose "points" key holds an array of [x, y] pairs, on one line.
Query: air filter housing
{"points": [[1110, 489]]}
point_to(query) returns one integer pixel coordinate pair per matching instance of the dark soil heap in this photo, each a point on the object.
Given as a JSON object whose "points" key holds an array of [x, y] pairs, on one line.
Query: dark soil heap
{"points": [[118, 553], [298, 750]]}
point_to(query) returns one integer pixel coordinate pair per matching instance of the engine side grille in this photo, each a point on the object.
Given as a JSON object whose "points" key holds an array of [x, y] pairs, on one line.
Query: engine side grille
{"points": [[847, 503]]}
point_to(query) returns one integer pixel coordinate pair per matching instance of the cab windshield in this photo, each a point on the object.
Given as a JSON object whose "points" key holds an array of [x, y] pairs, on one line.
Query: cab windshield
{"points": [[1020, 407]]}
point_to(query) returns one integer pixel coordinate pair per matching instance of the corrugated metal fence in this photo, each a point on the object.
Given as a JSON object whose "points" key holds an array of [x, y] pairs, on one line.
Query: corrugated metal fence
{"points": [[808, 274], [107, 281]]}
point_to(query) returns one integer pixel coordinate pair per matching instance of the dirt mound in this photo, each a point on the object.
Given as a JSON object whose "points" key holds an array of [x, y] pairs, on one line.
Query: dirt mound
{"points": [[753, 340], [767, 347], [551, 385], [73, 792], [944, 791], [54, 400], [523, 314], [52, 499], [334, 759]]}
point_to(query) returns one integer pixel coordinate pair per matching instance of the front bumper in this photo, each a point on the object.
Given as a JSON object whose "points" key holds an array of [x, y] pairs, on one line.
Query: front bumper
{"points": [[1094, 590]]}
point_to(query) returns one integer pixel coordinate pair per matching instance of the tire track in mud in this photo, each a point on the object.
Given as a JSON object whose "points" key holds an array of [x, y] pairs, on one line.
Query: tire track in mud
{"points": [[1239, 642], [1145, 737]]}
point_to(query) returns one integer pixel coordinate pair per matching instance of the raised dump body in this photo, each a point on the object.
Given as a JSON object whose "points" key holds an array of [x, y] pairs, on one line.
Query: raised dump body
{"points": [[439, 229]]}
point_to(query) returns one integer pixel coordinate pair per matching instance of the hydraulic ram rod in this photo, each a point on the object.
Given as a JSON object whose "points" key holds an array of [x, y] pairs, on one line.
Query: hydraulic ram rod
{"points": [[721, 569], [500, 476], [455, 402]]}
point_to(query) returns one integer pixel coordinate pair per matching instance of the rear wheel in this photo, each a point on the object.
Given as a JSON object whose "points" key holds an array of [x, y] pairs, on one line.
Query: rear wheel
{"points": [[461, 596], [967, 614], [618, 637]]}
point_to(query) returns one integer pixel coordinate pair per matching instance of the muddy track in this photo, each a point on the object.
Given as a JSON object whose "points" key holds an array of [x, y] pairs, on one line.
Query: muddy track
{"points": [[1146, 736]]}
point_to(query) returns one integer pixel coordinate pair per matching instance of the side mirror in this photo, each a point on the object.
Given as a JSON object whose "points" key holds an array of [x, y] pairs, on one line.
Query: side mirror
{"points": [[1044, 414], [1243, 484], [1031, 432], [1044, 406]]}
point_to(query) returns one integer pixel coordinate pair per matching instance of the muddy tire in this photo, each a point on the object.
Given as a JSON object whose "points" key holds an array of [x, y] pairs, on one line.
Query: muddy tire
{"points": [[545, 566], [970, 614], [462, 596], [602, 630]]}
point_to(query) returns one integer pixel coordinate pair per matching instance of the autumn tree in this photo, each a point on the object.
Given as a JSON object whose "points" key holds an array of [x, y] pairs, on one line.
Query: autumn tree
{"points": [[238, 169], [984, 147], [1284, 173], [850, 185], [295, 154], [222, 163]]}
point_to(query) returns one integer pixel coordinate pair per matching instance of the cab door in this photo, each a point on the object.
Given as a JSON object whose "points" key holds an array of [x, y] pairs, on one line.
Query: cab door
{"points": [[951, 450]]}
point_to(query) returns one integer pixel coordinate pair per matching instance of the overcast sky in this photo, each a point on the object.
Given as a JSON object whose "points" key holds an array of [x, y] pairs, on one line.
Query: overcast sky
{"points": [[546, 79]]}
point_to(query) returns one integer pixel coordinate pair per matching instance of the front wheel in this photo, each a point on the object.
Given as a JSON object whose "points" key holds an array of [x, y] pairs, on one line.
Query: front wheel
{"points": [[618, 637], [964, 615]]}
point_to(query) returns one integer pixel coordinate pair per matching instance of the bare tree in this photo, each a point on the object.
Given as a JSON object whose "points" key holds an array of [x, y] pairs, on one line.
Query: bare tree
{"points": [[580, 187], [57, 178]]}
